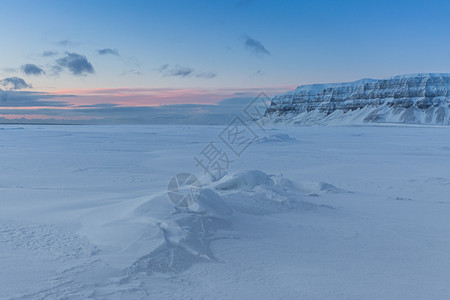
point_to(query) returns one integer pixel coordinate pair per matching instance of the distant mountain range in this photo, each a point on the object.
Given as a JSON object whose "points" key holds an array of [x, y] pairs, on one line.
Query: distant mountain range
{"points": [[411, 99]]}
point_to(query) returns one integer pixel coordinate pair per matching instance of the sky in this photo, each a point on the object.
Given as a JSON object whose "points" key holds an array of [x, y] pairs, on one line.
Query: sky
{"points": [[150, 61]]}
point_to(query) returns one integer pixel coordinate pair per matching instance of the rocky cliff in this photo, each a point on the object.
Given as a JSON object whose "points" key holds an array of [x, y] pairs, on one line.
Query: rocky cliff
{"points": [[415, 99]]}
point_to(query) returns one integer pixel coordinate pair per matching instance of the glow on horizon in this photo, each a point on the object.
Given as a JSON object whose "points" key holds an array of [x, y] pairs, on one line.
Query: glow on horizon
{"points": [[159, 96], [86, 104]]}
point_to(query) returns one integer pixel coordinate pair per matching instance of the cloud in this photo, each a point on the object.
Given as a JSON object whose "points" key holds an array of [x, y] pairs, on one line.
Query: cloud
{"points": [[109, 51], [31, 69], [77, 64], [179, 71], [99, 105], [175, 71], [254, 46], [65, 43], [14, 83], [30, 99], [55, 70], [257, 73], [49, 53], [163, 68], [206, 75], [131, 73]]}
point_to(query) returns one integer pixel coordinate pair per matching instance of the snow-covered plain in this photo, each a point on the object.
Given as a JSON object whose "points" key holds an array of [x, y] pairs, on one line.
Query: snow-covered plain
{"points": [[326, 213]]}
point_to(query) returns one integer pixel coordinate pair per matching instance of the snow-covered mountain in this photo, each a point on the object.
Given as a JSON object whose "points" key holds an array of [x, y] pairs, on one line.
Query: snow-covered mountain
{"points": [[415, 99]]}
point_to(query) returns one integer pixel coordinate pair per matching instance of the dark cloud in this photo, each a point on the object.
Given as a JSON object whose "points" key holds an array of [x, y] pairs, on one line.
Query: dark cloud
{"points": [[31, 69], [77, 64], [109, 51], [254, 46], [49, 53], [14, 83]]}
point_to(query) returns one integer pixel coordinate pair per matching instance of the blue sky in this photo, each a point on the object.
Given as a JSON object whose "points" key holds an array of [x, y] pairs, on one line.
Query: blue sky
{"points": [[203, 51]]}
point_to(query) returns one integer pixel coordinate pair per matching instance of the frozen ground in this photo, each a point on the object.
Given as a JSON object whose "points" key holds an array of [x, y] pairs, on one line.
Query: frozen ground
{"points": [[330, 213]]}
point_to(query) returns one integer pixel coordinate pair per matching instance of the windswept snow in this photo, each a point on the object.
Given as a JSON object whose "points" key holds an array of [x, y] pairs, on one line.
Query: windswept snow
{"points": [[304, 213]]}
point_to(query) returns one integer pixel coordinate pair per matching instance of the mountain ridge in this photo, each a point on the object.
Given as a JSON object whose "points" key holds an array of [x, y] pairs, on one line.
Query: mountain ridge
{"points": [[422, 98]]}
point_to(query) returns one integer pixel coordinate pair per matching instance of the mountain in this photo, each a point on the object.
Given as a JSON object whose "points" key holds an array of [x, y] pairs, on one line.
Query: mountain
{"points": [[412, 99]]}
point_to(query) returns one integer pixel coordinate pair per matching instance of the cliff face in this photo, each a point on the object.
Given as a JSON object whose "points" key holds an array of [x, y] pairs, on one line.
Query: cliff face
{"points": [[416, 99]]}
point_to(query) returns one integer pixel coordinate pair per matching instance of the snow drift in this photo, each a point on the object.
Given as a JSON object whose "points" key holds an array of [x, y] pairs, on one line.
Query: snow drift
{"points": [[187, 233]]}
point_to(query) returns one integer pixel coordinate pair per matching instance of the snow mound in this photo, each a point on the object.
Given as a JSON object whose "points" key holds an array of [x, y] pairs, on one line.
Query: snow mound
{"points": [[255, 192], [244, 181], [186, 233], [265, 199], [210, 203]]}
